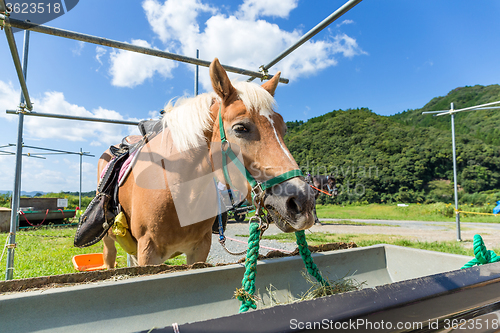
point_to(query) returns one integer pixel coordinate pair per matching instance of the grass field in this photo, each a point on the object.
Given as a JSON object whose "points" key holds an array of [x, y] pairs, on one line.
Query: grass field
{"points": [[48, 251]]}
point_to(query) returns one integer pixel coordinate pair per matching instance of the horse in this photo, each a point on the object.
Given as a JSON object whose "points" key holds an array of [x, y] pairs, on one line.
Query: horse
{"points": [[322, 183], [238, 115]]}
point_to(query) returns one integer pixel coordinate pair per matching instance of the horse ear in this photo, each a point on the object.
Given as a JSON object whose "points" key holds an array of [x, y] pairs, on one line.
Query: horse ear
{"points": [[220, 81], [271, 85]]}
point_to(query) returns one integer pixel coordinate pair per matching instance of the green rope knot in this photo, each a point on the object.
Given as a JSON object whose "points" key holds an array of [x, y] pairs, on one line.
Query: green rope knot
{"points": [[245, 294], [481, 254], [248, 300]]}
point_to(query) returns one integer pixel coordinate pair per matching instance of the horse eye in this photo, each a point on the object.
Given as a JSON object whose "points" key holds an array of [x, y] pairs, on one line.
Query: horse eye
{"points": [[240, 128]]}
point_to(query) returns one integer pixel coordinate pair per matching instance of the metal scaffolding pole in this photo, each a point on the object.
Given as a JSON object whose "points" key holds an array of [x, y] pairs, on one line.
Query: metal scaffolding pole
{"points": [[311, 33], [455, 180], [20, 69], [54, 151], [196, 74], [63, 116], [452, 112], [27, 155], [9, 270], [80, 194], [124, 46], [486, 106]]}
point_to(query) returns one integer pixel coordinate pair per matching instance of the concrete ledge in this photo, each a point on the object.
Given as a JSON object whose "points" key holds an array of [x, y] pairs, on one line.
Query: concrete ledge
{"points": [[142, 303]]}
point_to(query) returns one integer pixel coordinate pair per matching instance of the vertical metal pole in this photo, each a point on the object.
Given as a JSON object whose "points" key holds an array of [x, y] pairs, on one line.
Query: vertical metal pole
{"points": [[196, 74], [14, 217], [80, 196], [455, 181]]}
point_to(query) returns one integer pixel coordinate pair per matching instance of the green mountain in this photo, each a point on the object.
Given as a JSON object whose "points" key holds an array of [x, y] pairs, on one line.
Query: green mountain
{"points": [[406, 157]]}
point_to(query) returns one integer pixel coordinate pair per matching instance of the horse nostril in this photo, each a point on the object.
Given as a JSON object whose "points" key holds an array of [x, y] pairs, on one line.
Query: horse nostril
{"points": [[293, 206]]}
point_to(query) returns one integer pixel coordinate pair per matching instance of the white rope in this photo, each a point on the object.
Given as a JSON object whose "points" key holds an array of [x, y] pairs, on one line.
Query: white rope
{"points": [[5, 246]]}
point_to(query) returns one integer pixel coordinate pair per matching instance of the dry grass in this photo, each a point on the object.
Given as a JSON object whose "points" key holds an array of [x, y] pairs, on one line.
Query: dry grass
{"points": [[342, 285]]}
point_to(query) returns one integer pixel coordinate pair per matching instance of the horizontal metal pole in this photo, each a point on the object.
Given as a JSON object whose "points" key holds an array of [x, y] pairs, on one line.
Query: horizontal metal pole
{"points": [[125, 46], [475, 108], [17, 63], [25, 154], [490, 108], [63, 116], [471, 108], [55, 151], [68, 153], [311, 33], [429, 112]]}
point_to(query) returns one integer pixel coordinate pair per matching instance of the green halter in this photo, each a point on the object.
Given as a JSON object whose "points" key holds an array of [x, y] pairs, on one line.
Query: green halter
{"points": [[256, 186]]}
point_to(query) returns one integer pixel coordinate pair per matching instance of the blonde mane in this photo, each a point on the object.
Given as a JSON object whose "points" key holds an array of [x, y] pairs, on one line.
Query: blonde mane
{"points": [[189, 118]]}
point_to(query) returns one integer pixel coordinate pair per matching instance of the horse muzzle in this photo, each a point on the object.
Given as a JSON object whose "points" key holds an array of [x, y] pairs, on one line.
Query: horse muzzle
{"points": [[290, 205]]}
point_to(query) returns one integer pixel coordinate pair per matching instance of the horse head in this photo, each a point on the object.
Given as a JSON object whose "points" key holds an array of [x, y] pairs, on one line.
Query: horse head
{"points": [[249, 122], [332, 185]]}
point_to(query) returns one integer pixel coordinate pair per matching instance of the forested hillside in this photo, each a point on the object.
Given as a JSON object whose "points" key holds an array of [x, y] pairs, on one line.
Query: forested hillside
{"points": [[405, 157]]}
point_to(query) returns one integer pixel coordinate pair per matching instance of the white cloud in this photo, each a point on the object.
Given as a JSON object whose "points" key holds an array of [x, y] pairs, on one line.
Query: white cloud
{"points": [[74, 165], [240, 39], [154, 114], [49, 128], [175, 18], [129, 69], [88, 168], [7, 164], [99, 52], [9, 100], [77, 50], [52, 175], [251, 9], [347, 46], [344, 22]]}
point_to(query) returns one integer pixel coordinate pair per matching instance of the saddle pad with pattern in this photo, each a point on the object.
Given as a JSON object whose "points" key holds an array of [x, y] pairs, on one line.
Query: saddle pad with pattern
{"points": [[99, 215]]}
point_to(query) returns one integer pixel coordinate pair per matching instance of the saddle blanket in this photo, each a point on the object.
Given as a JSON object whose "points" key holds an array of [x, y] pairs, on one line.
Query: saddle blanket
{"points": [[125, 168]]}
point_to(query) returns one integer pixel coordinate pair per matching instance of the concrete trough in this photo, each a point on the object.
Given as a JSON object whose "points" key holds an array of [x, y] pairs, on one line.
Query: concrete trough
{"points": [[159, 301]]}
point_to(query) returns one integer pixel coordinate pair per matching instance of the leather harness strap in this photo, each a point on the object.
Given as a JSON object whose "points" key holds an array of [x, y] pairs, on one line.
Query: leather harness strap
{"points": [[227, 152]]}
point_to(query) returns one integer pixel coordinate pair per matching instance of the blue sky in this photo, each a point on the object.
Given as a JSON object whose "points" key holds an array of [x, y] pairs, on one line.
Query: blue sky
{"points": [[388, 56]]}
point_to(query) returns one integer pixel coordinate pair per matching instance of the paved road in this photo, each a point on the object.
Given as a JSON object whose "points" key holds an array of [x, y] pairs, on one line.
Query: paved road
{"points": [[421, 224]]}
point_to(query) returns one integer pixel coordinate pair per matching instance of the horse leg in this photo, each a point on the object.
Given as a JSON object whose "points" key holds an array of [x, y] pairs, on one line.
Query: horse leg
{"points": [[147, 253], [316, 220], [199, 252], [109, 251]]}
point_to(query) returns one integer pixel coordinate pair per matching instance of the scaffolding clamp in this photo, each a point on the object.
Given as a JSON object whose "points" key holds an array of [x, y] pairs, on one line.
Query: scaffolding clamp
{"points": [[22, 108], [265, 73]]}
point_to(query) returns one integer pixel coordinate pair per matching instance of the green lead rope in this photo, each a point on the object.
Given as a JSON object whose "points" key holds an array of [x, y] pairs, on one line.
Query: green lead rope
{"points": [[246, 293], [311, 267], [482, 256]]}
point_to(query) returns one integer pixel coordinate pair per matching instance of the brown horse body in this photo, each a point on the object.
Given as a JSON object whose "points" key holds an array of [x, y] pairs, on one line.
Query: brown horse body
{"points": [[149, 196]]}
